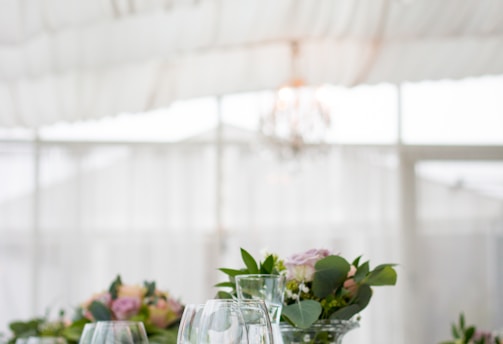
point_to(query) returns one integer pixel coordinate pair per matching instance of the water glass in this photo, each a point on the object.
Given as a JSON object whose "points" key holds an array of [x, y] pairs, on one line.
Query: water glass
{"points": [[119, 332], [189, 324], [269, 288]]}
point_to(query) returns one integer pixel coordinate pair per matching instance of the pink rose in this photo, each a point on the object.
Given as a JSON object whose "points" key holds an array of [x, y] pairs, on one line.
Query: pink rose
{"points": [[300, 266], [175, 306], [125, 307], [165, 312], [350, 283]]}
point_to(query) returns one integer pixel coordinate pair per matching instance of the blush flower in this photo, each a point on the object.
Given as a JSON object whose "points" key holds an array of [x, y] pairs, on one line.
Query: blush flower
{"points": [[125, 307], [300, 266], [350, 283]]}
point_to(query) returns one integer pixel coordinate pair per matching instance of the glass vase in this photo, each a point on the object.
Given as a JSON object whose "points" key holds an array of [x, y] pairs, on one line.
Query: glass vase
{"points": [[321, 332]]}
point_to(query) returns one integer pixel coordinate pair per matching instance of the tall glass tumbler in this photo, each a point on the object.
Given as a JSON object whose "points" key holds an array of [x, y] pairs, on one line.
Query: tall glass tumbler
{"points": [[268, 288]]}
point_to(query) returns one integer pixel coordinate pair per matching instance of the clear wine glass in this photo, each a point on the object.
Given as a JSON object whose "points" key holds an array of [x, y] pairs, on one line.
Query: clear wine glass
{"points": [[256, 318], [222, 322], [87, 333], [189, 324], [119, 332]]}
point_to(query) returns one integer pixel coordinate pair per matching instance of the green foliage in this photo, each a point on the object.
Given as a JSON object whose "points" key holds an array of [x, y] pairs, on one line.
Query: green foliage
{"points": [[302, 314], [463, 334], [99, 311], [331, 272], [270, 265], [39, 327], [114, 287], [331, 294]]}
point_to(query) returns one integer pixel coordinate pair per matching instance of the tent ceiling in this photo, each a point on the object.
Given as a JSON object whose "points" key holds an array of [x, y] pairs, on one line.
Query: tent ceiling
{"points": [[69, 60]]}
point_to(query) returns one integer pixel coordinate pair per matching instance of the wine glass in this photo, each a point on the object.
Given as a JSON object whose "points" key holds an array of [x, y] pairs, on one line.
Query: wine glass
{"points": [[87, 333], [256, 318], [189, 324], [222, 322], [119, 332]]}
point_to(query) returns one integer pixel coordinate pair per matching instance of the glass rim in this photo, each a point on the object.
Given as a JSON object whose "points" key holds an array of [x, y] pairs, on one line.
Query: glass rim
{"points": [[258, 276], [119, 322]]}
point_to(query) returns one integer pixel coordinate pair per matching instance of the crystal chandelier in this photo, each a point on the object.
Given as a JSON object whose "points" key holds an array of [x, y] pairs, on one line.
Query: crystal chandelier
{"points": [[300, 117]]}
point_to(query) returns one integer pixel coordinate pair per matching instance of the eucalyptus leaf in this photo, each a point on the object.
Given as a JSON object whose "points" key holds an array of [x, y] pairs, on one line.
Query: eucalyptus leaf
{"points": [[302, 314], [99, 311], [382, 275], [363, 296], [362, 272], [249, 261], [331, 272], [346, 313]]}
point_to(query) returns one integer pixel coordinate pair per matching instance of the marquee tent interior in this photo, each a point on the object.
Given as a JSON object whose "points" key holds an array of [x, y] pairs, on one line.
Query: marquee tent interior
{"points": [[128, 145]]}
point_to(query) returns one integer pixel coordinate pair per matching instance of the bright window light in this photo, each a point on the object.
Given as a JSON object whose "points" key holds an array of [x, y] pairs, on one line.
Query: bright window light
{"points": [[454, 112], [182, 120]]}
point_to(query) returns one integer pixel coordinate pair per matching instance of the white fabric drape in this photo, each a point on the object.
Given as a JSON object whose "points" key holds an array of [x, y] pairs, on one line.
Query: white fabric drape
{"points": [[66, 60], [150, 212]]}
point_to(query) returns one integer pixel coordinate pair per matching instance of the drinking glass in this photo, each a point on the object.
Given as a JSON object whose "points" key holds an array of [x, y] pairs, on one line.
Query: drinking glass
{"points": [[87, 333], [222, 323], [189, 324], [119, 332], [257, 321], [269, 288]]}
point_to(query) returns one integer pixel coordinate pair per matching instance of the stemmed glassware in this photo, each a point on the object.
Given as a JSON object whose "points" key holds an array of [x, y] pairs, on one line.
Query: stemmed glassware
{"points": [[222, 322], [189, 324], [231, 322], [119, 332], [257, 321], [87, 333]]}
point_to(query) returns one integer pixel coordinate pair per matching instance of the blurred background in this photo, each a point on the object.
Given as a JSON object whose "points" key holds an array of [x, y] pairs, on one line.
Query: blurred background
{"points": [[153, 139]]}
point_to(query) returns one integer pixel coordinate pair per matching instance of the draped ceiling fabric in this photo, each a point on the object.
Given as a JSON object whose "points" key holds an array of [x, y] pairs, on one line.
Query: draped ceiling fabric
{"points": [[70, 60]]}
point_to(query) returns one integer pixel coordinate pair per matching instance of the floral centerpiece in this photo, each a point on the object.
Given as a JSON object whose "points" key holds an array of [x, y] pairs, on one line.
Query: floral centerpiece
{"points": [[321, 287], [468, 334], [159, 312]]}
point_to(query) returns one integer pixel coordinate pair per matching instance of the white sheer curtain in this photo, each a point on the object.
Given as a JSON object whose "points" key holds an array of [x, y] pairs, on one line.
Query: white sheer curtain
{"points": [[155, 212]]}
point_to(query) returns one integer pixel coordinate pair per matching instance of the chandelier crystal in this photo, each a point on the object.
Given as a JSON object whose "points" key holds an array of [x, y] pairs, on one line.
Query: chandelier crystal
{"points": [[300, 116]]}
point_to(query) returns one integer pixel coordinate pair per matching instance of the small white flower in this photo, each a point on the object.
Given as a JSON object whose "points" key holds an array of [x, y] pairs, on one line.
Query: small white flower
{"points": [[305, 288], [294, 297]]}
